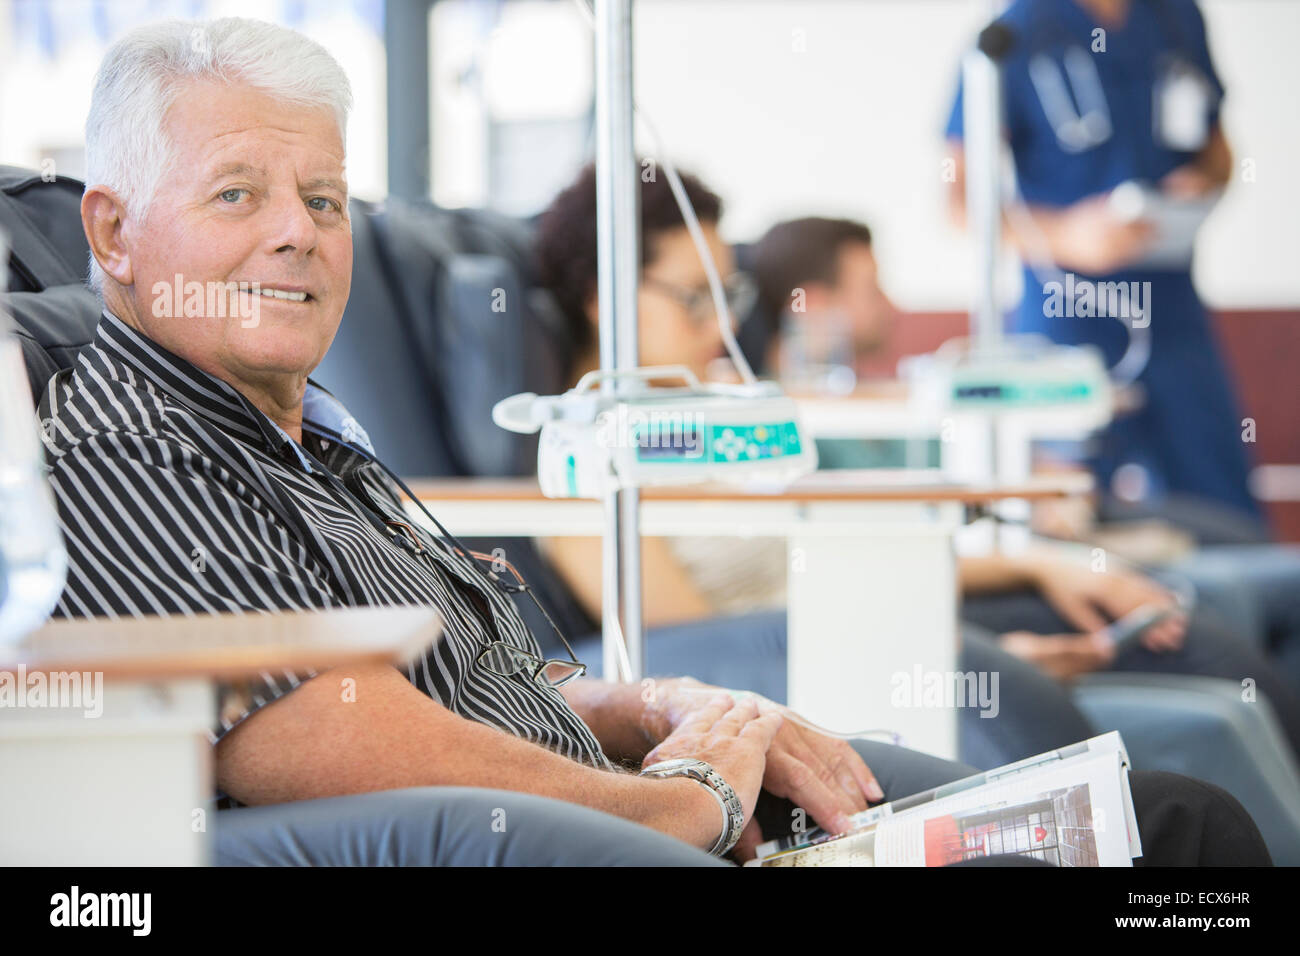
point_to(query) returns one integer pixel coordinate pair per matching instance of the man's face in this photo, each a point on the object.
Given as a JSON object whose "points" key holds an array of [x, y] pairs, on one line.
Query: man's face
{"points": [[257, 195], [857, 295]]}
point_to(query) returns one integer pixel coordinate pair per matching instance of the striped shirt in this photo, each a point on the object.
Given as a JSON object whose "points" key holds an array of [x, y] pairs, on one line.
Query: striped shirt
{"points": [[178, 496]]}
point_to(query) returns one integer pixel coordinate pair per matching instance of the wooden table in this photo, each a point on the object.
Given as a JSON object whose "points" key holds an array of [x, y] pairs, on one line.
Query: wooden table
{"points": [[872, 581], [116, 768]]}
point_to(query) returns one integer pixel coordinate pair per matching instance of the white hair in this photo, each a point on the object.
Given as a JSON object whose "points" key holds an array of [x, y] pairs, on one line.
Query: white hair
{"points": [[127, 148]]}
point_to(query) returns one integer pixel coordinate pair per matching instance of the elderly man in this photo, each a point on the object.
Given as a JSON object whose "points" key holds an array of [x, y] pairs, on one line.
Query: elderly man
{"points": [[197, 469]]}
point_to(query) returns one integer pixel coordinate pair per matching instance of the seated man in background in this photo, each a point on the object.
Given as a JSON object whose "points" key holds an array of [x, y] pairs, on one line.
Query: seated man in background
{"points": [[197, 469], [692, 578], [832, 262]]}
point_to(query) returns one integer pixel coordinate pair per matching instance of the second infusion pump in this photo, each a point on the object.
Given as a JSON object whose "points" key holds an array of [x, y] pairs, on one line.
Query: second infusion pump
{"points": [[593, 442]]}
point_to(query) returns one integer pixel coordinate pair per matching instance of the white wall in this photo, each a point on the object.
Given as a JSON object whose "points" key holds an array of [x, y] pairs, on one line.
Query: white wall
{"points": [[43, 101], [793, 107], [852, 124]]}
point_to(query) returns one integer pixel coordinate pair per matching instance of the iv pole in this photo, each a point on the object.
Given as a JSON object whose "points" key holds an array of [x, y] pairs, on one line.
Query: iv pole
{"points": [[982, 120], [618, 266]]}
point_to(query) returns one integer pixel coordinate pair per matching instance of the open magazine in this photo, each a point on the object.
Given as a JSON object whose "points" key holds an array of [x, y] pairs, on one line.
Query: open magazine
{"points": [[1069, 807]]}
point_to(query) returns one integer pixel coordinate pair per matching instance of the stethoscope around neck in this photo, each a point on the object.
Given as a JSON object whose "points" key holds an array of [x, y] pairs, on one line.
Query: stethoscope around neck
{"points": [[1071, 93], [1081, 129]]}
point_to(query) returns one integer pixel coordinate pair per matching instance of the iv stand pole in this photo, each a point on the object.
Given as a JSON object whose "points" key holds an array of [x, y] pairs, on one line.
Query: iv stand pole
{"points": [[982, 120], [618, 266]]}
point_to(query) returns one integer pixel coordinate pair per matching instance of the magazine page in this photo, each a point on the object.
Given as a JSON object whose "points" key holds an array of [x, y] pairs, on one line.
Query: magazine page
{"points": [[1071, 811], [1104, 743]]}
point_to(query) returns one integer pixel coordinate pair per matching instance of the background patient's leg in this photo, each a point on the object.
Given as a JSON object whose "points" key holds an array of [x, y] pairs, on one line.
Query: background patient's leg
{"points": [[1035, 714]]}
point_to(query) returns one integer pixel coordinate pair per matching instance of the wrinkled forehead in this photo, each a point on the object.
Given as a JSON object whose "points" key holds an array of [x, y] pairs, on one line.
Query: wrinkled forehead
{"points": [[219, 129]]}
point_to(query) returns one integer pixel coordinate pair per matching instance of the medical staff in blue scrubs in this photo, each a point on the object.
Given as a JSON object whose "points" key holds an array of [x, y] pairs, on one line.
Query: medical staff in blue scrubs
{"points": [[1100, 93]]}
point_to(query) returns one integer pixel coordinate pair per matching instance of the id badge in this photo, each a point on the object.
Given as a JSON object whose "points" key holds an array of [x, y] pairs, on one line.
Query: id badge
{"points": [[1182, 109]]}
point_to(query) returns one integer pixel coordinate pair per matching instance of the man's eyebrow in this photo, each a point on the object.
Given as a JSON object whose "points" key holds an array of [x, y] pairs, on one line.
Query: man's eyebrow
{"points": [[235, 169], [326, 183]]}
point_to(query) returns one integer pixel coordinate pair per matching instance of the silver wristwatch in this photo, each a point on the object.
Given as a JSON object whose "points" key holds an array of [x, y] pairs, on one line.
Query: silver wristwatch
{"points": [[733, 811]]}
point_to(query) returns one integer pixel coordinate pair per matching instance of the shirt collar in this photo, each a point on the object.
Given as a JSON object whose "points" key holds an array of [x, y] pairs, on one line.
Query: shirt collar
{"points": [[223, 404]]}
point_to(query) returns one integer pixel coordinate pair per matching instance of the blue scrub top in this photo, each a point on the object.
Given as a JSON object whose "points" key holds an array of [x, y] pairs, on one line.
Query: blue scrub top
{"points": [[1188, 436]]}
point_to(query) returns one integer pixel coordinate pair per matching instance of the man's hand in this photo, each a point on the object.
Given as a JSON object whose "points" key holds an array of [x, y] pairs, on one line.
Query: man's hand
{"points": [[823, 775], [729, 735], [1091, 600]]}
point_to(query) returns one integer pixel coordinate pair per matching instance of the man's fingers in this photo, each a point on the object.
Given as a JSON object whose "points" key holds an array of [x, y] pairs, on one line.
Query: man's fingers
{"points": [[796, 743], [763, 729], [734, 719], [796, 781], [863, 775], [843, 766], [702, 720]]}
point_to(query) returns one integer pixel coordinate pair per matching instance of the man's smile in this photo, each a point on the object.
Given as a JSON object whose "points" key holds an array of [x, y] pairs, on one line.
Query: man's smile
{"points": [[280, 293]]}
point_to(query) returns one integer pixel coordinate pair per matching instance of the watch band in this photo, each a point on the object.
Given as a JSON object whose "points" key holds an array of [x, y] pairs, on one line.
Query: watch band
{"points": [[733, 811]]}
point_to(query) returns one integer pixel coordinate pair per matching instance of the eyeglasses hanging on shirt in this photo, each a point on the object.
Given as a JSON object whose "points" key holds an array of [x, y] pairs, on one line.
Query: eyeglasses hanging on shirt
{"points": [[501, 658]]}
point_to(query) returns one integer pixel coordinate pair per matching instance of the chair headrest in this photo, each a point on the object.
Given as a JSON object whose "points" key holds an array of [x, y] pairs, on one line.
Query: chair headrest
{"points": [[52, 327], [41, 215], [441, 323], [54, 312]]}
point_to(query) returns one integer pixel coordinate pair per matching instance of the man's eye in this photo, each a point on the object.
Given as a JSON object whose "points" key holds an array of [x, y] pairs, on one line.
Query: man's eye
{"points": [[326, 204], [231, 195]]}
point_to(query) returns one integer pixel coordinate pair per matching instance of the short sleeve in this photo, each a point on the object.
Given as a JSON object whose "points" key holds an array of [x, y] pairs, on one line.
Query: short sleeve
{"points": [[1205, 61], [1199, 52]]}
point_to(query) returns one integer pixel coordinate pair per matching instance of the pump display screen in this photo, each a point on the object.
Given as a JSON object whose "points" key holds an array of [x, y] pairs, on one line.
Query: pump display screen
{"points": [[716, 443], [670, 444]]}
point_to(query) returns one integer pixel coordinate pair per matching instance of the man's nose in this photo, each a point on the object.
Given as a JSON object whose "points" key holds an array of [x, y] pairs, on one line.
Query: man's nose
{"points": [[291, 228]]}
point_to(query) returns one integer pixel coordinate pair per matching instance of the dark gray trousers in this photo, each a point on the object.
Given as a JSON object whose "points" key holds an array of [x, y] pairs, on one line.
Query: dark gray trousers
{"points": [[1183, 822]]}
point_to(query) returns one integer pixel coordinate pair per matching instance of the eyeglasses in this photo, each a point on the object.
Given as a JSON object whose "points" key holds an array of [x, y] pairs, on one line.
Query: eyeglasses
{"points": [[506, 660], [499, 657], [738, 289]]}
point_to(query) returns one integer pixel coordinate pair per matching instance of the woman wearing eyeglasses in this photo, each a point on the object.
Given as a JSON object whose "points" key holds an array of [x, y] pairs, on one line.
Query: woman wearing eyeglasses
{"points": [[678, 326], [692, 585]]}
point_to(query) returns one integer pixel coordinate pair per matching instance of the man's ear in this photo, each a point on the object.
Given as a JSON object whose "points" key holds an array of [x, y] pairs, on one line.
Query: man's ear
{"points": [[103, 216]]}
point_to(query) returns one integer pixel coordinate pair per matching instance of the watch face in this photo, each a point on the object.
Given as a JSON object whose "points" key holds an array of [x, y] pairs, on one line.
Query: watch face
{"points": [[677, 763]]}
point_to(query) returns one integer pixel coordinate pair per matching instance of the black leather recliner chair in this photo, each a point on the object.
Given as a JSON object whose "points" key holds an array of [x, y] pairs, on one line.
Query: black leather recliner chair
{"points": [[56, 314], [416, 356]]}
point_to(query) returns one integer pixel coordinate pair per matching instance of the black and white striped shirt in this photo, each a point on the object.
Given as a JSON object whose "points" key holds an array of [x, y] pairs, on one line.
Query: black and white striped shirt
{"points": [[178, 496]]}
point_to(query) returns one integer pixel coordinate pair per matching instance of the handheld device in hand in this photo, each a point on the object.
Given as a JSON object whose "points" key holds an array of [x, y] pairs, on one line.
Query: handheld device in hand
{"points": [[1135, 623]]}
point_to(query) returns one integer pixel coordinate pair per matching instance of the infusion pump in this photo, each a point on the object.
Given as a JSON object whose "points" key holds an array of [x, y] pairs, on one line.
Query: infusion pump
{"points": [[643, 434]]}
